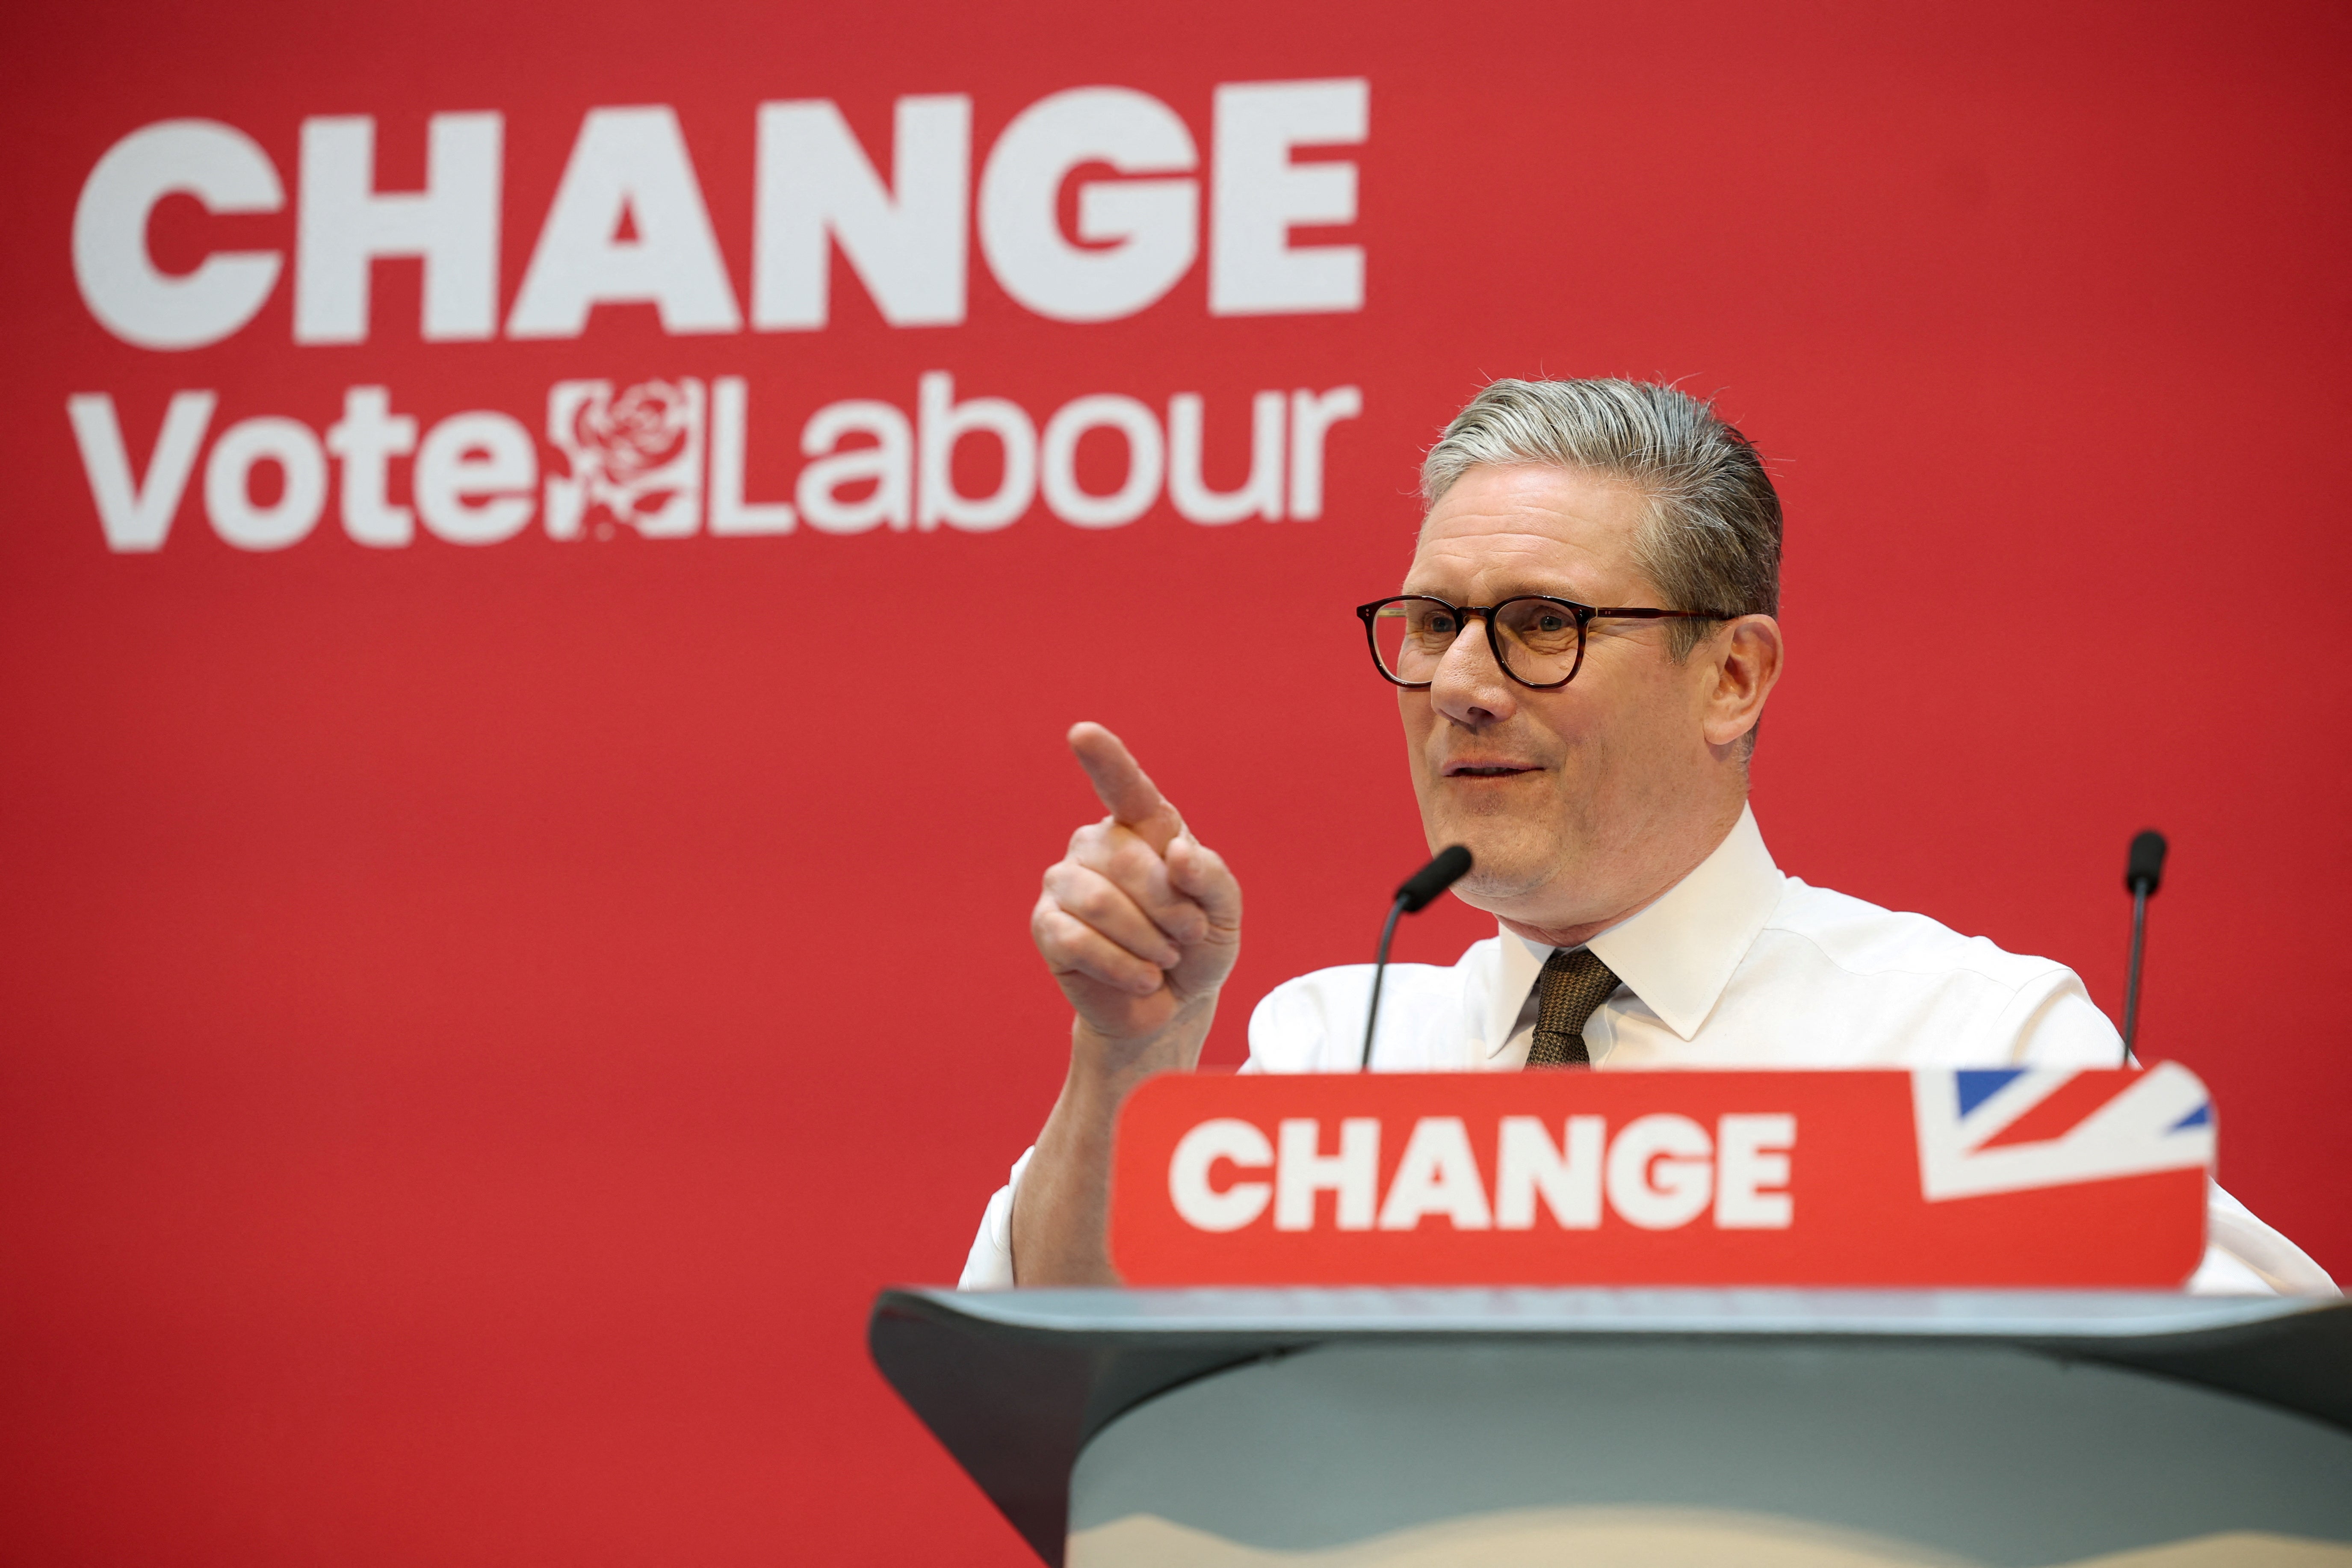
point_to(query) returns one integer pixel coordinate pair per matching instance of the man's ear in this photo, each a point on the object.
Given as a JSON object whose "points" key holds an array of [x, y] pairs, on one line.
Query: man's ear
{"points": [[1746, 657]]}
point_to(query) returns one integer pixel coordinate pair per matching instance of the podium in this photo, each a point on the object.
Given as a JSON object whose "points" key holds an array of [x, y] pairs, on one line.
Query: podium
{"points": [[1640, 1428]]}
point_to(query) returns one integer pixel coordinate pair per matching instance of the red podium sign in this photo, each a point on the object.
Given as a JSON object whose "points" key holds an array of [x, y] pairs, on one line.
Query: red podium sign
{"points": [[2007, 1177]]}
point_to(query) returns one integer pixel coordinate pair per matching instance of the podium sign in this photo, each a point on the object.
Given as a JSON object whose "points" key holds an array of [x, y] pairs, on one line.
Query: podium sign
{"points": [[1995, 1177]]}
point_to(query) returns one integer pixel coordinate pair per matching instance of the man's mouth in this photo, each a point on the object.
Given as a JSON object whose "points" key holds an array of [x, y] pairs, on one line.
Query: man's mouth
{"points": [[1486, 769]]}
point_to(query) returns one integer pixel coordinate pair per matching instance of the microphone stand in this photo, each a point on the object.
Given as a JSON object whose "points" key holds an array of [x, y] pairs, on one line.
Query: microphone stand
{"points": [[2143, 874], [1452, 863], [1380, 973], [2131, 979]]}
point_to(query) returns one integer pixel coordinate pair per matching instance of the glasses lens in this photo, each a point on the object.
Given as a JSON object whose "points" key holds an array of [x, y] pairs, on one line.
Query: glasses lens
{"points": [[1411, 635], [1539, 639]]}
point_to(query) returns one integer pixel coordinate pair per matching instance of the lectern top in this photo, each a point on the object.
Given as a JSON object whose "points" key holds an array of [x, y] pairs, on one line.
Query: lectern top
{"points": [[2107, 1315]]}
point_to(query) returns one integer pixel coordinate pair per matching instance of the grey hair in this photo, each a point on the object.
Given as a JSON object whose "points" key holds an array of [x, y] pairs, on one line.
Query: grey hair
{"points": [[1712, 539]]}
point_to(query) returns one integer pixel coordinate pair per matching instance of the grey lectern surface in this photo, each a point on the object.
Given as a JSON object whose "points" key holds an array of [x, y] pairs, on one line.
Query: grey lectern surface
{"points": [[1666, 1428]]}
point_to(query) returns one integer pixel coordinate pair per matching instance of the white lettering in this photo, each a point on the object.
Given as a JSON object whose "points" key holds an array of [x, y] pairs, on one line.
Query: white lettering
{"points": [[1569, 1175], [1260, 195], [1201, 1206], [344, 226], [941, 422], [729, 512], [228, 483], [1194, 500], [1752, 1155], [367, 437], [629, 163], [482, 453], [219, 165], [452, 224], [1436, 1175], [1311, 414], [906, 242], [1057, 461], [639, 455], [136, 519], [1139, 235], [1659, 1172], [1303, 1170], [887, 465]]}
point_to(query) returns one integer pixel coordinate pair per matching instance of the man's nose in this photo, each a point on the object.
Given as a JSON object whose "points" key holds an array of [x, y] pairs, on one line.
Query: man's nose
{"points": [[1469, 687]]}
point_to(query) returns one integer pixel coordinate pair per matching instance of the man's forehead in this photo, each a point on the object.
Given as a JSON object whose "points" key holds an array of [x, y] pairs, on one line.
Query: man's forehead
{"points": [[1556, 527]]}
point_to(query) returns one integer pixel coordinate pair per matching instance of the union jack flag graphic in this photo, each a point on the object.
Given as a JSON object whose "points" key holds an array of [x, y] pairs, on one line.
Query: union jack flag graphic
{"points": [[2008, 1130]]}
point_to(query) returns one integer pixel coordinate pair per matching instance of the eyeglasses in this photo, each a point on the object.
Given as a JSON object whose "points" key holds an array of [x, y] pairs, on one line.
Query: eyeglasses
{"points": [[1537, 640]]}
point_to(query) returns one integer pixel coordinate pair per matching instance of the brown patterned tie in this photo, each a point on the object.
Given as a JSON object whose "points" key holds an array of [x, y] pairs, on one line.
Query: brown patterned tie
{"points": [[1571, 989]]}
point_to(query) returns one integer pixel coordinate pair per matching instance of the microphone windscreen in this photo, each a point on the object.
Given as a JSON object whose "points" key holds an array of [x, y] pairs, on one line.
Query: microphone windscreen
{"points": [[2144, 871], [1435, 877]]}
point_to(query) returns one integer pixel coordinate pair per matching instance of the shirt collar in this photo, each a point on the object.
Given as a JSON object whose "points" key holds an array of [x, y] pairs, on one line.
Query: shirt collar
{"points": [[1677, 954], [1519, 962]]}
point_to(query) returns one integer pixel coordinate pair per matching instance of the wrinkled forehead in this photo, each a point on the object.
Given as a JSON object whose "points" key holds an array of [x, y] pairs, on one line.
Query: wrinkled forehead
{"points": [[1532, 529]]}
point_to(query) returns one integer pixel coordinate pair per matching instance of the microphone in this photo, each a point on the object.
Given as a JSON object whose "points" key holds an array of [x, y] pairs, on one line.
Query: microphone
{"points": [[1412, 897], [1424, 885], [2143, 874]]}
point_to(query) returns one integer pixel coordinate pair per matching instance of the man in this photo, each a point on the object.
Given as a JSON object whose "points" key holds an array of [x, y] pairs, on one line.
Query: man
{"points": [[1582, 651]]}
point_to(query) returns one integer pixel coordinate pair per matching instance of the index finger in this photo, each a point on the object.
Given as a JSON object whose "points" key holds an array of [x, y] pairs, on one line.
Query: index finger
{"points": [[1132, 799]]}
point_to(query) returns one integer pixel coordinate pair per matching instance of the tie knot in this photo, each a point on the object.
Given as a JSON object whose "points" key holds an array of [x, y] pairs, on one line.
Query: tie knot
{"points": [[1573, 985]]}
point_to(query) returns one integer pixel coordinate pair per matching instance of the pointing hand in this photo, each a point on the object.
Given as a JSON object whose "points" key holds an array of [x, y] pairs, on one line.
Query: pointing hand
{"points": [[1139, 921]]}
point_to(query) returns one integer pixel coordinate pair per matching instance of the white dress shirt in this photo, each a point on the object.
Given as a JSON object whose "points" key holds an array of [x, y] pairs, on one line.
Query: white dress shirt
{"points": [[1736, 966]]}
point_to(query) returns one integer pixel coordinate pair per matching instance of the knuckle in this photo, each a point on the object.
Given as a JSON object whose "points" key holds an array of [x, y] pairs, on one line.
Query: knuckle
{"points": [[1137, 867], [1089, 899]]}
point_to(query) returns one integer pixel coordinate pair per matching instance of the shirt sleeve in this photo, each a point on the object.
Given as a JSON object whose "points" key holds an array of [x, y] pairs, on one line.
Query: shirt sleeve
{"points": [[2053, 1023], [2244, 1257], [990, 1264]]}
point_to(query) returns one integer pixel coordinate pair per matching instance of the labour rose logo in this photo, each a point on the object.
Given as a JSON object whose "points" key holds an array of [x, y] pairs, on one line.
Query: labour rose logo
{"points": [[636, 459], [639, 431]]}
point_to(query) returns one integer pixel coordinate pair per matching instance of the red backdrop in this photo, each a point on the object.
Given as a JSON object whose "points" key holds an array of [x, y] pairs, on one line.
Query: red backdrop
{"points": [[482, 1021]]}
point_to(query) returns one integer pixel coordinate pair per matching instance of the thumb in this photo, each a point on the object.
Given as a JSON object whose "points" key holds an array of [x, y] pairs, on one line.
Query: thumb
{"points": [[1199, 873]]}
